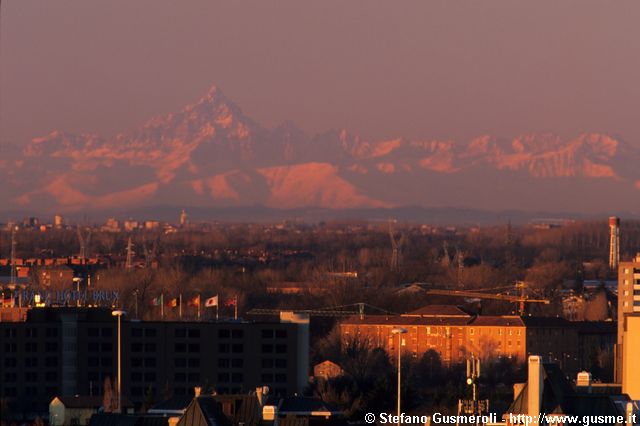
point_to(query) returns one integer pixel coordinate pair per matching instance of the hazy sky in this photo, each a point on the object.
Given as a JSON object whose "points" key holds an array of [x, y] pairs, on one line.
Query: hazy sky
{"points": [[419, 69]]}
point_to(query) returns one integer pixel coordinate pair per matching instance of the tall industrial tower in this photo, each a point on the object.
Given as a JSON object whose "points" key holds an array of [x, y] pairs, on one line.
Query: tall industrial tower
{"points": [[614, 242]]}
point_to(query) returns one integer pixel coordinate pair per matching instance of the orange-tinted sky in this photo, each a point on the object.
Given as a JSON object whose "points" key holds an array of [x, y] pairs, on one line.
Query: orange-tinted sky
{"points": [[419, 68]]}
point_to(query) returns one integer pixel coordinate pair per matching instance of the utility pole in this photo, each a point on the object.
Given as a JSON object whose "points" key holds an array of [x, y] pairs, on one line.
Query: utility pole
{"points": [[13, 255], [129, 263]]}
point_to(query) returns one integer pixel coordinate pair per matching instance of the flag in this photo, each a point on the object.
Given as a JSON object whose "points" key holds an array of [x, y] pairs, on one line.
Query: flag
{"points": [[211, 302], [194, 301], [172, 303], [7, 300], [156, 301], [232, 302]]}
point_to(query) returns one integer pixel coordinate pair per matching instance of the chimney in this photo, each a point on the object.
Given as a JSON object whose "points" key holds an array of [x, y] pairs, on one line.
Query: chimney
{"points": [[583, 382], [535, 386], [196, 391]]}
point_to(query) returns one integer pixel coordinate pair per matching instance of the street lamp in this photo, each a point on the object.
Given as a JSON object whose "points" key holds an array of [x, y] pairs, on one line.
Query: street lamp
{"points": [[399, 331], [119, 314]]}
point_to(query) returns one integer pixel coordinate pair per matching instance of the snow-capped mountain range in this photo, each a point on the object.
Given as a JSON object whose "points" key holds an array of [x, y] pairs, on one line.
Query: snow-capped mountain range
{"points": [[210, 154]]}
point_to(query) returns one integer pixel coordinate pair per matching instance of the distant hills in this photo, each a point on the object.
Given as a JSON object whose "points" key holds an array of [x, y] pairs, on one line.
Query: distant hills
{"points": [[211, 157]]}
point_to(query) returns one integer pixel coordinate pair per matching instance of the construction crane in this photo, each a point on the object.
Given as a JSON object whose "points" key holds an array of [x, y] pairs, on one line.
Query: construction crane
{"points": [[84, 242], [521, 299], [331, 312]]}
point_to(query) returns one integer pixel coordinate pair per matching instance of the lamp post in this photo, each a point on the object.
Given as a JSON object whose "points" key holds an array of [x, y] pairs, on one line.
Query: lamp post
{"points": [[119, 314], [399, 331]]}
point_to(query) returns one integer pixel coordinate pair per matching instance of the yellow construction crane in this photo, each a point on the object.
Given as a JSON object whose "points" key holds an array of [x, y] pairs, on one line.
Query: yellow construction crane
{"points": [[521, 299]]}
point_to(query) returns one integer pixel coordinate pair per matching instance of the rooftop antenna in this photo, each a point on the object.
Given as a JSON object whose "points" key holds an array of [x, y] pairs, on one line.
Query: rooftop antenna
{"points": [[396, 247], [614, 242], [84, 242], [130, 253], [13, 255]]}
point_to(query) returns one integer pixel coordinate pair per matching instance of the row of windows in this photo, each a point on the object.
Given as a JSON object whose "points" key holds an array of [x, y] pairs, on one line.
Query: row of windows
{"points": [[30, 333], [233, 363], [270, 334], [139, 347], [97, 362], [271, 363], [271, 378], [140, 362], [233, 377], [148, 332], [99, 347], [186, 362], [31, 391], [31, 362], [97, 332], [31, 376], [148, 376]]}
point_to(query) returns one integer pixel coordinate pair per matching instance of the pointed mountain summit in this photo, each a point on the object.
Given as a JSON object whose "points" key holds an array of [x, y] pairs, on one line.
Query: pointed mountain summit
{"points": [[211, 154]]}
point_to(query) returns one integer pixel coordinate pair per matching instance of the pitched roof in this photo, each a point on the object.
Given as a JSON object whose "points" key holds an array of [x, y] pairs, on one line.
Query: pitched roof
{"points": [[246, 408], [438, 310], [83, 401], [175, 403], [504, 321], [302, 404], [204, 411], [395, 320], [113, 419]]}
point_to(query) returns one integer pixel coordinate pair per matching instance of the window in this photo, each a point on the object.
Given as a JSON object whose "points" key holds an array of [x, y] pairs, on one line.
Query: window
{"points": [[281, 349], [93, 332], [267, 377], [194, 362], [237, 363], [237, 348], [107, 362], [51, 376], [237, 334], [136, 332], [149, 347], [223, 362], [194, 347], [150, 332], [224, 334], [267, 334], [136, 362], [180, 347], [149, 362], [149, 376], [51, 362], [267, 348], [237, 377], [31, 362], [107, 332], [10, 377], [223, 348], [281, 363], [136, 376], [31, 376], [194, 377], [281, 334], [10, 362], [180, 362], [180, 332], [267, 363], [471, 331], [107, 347], [51, 332], [136, 347], [223, 377], [194, 333], [51, 346], [428, 330], [281, 378], [93, 362], [31, 347]]}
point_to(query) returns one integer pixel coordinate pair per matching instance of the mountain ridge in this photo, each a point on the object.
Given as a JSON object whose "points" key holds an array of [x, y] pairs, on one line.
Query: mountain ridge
{"points": [[211, 154]]}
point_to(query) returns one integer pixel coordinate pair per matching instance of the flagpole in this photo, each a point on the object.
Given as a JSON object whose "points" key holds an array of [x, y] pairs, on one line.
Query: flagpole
{"points": [[235, 310], [180, 305], [162, 305], [217, 306]]}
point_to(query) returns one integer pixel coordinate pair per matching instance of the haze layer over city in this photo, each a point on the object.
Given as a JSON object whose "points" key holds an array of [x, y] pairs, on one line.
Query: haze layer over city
{"points": [[319, 213]]}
